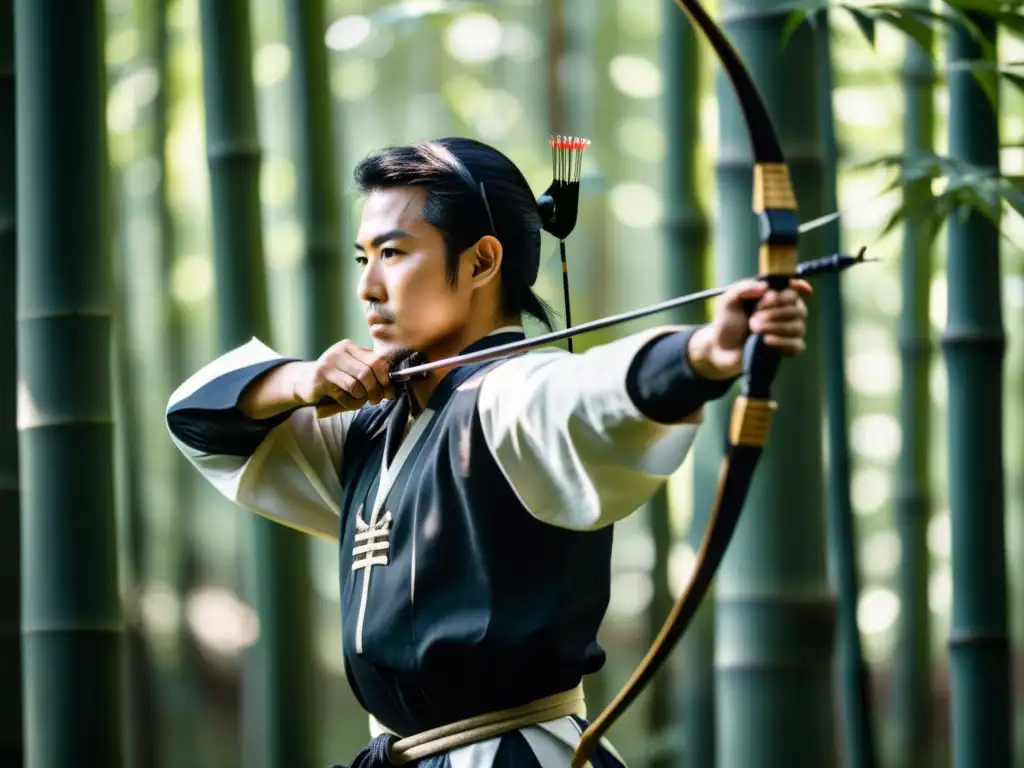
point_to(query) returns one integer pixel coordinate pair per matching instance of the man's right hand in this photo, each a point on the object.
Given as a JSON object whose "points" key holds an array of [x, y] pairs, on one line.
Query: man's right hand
{"points": [[346, 373]]}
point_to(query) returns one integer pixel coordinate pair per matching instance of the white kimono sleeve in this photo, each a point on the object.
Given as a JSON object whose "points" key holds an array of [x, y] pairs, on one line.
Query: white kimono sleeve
{"points": [[570, 440], [287, 469]]}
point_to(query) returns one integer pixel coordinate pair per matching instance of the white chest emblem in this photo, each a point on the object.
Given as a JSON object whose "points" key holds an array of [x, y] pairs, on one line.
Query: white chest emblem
{"points": [[370, 548]]}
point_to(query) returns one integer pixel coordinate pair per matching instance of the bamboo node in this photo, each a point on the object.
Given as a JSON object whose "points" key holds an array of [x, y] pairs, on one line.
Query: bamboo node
{"points": [[773, 188], [750, 421]]}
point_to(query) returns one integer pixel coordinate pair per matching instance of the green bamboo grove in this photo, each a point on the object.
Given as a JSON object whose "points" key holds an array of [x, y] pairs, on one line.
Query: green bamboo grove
{"points": [[72, 627]]}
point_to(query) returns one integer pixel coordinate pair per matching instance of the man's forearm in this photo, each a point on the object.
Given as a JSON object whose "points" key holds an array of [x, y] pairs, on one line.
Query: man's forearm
{"points": [[698, 354], [671, 378], [274, 392]]}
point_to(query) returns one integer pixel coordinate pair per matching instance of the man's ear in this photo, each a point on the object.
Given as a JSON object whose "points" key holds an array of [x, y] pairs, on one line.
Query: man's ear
{"points": [[486, 258]]}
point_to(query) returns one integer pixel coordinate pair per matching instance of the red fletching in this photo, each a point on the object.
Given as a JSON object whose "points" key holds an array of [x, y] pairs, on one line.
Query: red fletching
{"points": [[566, 157]]}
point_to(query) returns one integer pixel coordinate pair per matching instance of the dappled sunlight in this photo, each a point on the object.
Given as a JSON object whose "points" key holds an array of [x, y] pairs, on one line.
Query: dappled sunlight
{"points": [[328, 645], [870, 489], [348, 33], [631, 593], [635, 204], [857, 106], [880, 554], [520, 43], [633, 550], [1013, 289], [271, 65], [938, 383], [641, 21], [277, 181], [491, 111], [188, 175], [873, 372], [192, 278], [474, 38], [353, 78], [885, 293], [121, 46], [635, 76], [380, 44], [129, 94], [940, 589], [877, 610], [866, 334], [681, 562], [285, 245], [643, 138], [142, 177], [876, 436], [939, 535], [937, 302], [220, 621], [161, 609]]}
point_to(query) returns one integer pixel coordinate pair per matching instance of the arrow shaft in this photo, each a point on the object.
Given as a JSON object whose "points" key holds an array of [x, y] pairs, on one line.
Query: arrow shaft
{"points": [[834, 263]]}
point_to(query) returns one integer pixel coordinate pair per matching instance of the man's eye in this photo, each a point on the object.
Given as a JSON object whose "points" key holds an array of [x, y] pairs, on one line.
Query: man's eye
{"points": [[386, 253], [361, 261]]}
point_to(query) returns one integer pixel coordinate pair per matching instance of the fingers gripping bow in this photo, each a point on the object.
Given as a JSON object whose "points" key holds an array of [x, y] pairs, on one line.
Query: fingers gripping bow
{"points": [[775, 205]]}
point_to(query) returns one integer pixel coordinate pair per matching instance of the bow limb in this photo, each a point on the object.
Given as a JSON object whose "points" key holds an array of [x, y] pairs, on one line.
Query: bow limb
{"points": [[774, 202]]}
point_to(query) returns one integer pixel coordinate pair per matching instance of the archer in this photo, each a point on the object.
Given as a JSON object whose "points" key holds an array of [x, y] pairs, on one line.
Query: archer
{"points": [[473, 506]]}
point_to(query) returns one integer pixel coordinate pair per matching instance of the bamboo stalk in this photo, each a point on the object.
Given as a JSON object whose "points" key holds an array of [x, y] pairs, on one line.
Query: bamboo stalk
{"points": [[274, 731], [141, 722], [326, 287], [71, 609], [775, 609], [10, 516], [973, 345], [855, 688], [912, 668]]}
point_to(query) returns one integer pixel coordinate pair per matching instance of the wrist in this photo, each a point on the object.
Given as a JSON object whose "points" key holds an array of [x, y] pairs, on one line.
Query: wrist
{"points": [[274, 392], [296, 377], [700, 353]]}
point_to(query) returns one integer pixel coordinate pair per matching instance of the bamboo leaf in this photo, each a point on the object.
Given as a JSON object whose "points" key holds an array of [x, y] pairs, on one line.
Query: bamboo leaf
{"points": [[985, 6], [1013, 22], [865, 24], [987, 82], [793, 22], [917, 17], [912, 27]]}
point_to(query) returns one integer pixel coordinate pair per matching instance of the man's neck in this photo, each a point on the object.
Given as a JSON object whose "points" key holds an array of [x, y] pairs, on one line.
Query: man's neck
{"points": [[421, 389]]}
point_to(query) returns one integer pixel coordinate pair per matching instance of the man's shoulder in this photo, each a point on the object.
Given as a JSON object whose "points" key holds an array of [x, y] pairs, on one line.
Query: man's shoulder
{"points": [[516, 368]]}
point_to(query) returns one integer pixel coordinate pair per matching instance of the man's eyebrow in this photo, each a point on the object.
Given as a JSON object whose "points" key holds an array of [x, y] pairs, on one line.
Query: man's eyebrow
{"points": [[383, 237]]}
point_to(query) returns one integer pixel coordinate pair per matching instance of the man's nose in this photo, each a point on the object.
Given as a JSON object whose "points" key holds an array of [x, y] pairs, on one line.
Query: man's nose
{"points": [[371, 287]]}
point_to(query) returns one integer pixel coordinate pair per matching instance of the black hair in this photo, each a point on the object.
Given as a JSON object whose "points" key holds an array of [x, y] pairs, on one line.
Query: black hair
{"points": [[472, 190]]}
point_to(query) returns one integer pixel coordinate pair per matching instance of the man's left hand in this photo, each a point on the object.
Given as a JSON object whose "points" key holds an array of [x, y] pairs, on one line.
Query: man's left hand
{"points": [[716, 350]]}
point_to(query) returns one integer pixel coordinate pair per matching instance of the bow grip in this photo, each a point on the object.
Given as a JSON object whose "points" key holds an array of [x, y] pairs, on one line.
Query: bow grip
{"points": [[775, 205]]}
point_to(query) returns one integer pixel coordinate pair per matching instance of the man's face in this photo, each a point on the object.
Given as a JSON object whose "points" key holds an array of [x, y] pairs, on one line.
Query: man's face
{"points": [[403, 284]]}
